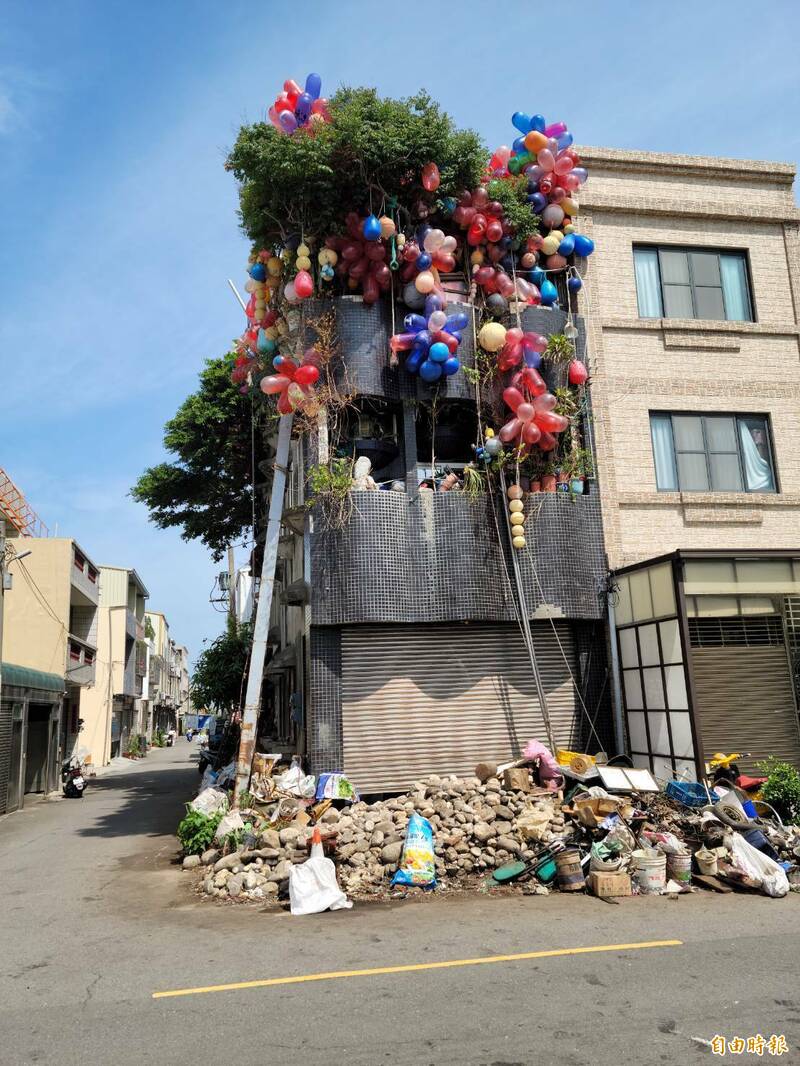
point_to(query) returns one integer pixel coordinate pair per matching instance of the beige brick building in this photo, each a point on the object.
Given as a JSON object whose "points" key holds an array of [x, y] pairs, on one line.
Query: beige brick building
{"points": [[641, 365], [691, 302]]}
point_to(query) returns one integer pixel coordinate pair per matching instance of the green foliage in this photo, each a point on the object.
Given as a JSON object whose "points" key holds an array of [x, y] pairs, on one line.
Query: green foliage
{"points": [[206, 490], [196, 830], [219, 672], [149, 632], [134, 747], [474, 482], [308, 182], [511, 193], [158, 739], [782, 789], [559, 349], [331, 479]]}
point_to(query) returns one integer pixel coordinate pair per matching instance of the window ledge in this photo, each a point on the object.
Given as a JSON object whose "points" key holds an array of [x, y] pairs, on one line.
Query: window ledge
{"points": [[733, 501], [701, 326]]}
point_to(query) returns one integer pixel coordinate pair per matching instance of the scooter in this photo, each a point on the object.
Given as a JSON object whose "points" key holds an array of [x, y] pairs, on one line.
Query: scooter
{"points": [[72, 777]]}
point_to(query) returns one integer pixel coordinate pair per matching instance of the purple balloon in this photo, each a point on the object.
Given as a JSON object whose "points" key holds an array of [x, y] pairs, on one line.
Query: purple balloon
{"points": [[302, 109], [288, 121]]}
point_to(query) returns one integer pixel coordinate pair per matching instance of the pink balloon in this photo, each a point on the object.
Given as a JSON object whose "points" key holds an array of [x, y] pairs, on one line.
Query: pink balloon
{"points": [[531, 433], [513, 398], [546, 402], [551, 422], [303, 284], [510, 431], [555, 129], [578, 374], [546, 160], [534, 342], [525, 412], [274, 384], [563, 164]]}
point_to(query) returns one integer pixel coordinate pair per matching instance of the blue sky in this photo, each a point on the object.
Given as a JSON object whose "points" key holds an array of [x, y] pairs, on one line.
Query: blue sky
{"points": [[118, 222]]}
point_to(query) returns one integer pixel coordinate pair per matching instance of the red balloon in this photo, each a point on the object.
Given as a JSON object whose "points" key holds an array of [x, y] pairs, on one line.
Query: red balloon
{"points": [[513, 398], [550, 422], [547, 442], [525, 412], [303, 284], [578, 374], [510, 431], [494, 230], [531, 434], [273, 384], [307, 375], [430, 177], [284, 404]]}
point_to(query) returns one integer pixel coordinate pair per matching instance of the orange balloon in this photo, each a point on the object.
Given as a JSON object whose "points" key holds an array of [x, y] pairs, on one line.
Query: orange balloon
{"points": [[535, 141]]}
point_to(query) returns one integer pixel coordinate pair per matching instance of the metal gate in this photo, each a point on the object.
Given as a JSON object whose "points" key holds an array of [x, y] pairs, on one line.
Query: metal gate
{"points": [[428, 699], [6, 725]]}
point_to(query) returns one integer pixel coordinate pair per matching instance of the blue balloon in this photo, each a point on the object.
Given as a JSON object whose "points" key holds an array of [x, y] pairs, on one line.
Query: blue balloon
{"points": [[507, 263], [314, 86], [423, 261], [521, 121], [583, 245], [449, 204], [429, 371], [565, 140], [302, 109], [574, 283], [433, 302], [422, 233], [538, 123], [538, 202], [371, 228], [548, 292], [518, 145], [450, 366], [457, 321], [423, 339], [439, 352], [567, 246], [532, 359], [414, 360], [538, 276], [414, 323], [455, 334], [258, 272]]}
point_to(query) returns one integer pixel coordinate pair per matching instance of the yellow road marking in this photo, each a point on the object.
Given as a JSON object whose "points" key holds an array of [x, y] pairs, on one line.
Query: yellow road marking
{"points": [[270, 982]]}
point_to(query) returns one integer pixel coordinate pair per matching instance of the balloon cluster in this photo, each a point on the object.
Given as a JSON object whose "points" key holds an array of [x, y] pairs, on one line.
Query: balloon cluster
{"points": [[295, 108], [544, 154], [535, 420], [293, 382], [490, 234], [362, 254], [490, 449], [519, 346], [302, 284], [423, 258], [432, 340], [265, 277]]}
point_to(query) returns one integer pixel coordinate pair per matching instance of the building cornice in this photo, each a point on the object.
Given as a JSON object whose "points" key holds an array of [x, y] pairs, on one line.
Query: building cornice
{"points": [[669, 163]]}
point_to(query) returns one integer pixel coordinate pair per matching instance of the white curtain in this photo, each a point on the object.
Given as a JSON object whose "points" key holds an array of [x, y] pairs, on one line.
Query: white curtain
{"points": [[734, 287], [664, 453], [648, 282], [757, 469]]}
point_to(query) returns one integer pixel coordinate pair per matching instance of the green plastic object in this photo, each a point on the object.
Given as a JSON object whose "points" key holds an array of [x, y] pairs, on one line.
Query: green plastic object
{"points": [[510, 872]]}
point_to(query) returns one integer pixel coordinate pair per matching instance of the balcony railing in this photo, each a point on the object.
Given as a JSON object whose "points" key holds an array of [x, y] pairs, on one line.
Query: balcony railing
{"points": [[80, 665], [84, 577]]}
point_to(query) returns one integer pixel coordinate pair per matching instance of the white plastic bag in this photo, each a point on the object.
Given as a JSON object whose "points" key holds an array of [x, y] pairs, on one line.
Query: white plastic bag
{"points": [[229, 824], [227, 775], [313, 886], [759, 866], [296, 783], [209, 801]]}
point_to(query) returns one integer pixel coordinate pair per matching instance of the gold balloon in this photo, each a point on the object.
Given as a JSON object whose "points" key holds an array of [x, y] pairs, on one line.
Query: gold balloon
{"points": [[492, 336], [303, 251], [514, 492], [424, 282], [303, 262], [476, 258], [274, 266], [388, 228], [517, 518], [516, 506], [568, 206], [327, 257], [550, 244], [518, 542]]}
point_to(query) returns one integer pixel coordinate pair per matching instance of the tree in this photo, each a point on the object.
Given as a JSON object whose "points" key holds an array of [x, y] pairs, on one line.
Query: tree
{"points": [[218, 678], [207, 490]]}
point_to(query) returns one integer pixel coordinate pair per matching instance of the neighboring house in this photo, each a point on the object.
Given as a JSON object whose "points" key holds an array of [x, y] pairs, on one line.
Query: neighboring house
{"points": [[693, 299], [162, 709], [112, 715], [394, 649], [50, 640]]}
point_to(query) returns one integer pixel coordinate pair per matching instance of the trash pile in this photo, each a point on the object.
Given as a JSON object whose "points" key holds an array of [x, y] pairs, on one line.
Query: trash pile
{"points": [[534, 826]]}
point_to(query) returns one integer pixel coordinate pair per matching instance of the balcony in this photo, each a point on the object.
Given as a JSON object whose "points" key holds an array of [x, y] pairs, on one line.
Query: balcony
{"points": [[80, 665], [84, 581], [437, 557]]}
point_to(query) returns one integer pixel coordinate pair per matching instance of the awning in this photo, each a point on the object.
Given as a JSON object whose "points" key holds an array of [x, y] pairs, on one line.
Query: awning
{"points": [[24, 677], [282, 660]]}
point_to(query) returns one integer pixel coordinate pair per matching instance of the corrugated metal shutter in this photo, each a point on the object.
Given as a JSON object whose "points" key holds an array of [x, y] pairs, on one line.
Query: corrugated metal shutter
{"points": [[6, 713], [745, 702], [418, 700]]}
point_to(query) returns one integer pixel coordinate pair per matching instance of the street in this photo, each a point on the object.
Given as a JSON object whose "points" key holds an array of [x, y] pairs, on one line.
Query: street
{"points": [[97, 918]]}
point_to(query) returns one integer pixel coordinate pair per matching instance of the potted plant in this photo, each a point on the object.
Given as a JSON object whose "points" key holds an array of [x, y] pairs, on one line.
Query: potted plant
{"points": [[578, 466], [549, 476]]}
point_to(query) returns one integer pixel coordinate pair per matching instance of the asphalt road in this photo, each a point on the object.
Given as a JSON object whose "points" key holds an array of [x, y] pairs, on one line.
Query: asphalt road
{"points": [[96, 917]]}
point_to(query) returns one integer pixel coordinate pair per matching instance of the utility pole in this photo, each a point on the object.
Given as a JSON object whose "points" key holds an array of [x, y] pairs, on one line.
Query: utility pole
{"points": [[231, 586], [2, 591], [252, 702]]}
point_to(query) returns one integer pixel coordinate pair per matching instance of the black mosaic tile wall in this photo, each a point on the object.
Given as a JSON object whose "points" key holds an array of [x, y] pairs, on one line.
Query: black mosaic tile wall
{"points": [[324, 725], [594, 685], [436, 557]]}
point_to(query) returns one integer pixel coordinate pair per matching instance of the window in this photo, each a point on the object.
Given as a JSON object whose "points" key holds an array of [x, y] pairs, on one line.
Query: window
{"points": [[79, 561], [712, 453], [92, 575], [692, 283]]}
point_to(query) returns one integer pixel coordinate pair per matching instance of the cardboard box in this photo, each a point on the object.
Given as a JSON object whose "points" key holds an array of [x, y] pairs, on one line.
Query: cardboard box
{"points": [[605, 884], [592, 812]]}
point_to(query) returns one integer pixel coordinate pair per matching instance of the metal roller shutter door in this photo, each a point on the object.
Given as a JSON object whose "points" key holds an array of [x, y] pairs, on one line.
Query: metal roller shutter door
{"points": [[745, 702], [422, 699], [6, 714]]}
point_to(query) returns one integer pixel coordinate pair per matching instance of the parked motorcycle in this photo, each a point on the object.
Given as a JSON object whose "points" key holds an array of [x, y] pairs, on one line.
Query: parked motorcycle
{"points": [[72, 778]]}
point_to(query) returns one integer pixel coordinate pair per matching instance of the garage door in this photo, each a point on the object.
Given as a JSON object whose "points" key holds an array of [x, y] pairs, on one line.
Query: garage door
{"points": [[418, 700]]}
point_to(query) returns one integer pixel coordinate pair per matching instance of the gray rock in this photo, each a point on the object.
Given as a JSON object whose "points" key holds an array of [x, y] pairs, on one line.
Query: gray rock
{"points": [[281, 872], [377, 838], [483, 832], [208, 858], [227, 862], [502, 828], [501, 811], [221, 878], [330, 816], [270, 889], [492, 785], [386, 827], [191, 861], [344, 851], [235, 885], [390, 853], [288, 835], [252, 879], [270, 839], [259, 854]]}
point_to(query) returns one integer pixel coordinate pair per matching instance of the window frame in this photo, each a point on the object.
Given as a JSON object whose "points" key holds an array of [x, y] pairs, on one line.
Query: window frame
{"points": [[703, 415], [687, 249]]}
